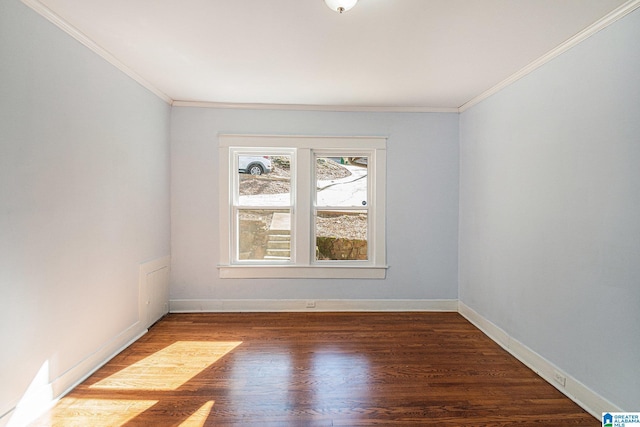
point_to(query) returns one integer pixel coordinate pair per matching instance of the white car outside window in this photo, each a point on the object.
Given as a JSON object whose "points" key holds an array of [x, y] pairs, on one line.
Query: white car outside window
{"points": [[254, 165]]}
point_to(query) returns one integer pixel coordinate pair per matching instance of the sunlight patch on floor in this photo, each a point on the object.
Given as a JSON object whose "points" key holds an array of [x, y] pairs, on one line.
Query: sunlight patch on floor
{"points": [[198, 418], [169, 368], [95, 412]]}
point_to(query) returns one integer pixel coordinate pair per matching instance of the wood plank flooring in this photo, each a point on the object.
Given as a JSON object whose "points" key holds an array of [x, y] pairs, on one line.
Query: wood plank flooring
{"points": [[315, 369]]}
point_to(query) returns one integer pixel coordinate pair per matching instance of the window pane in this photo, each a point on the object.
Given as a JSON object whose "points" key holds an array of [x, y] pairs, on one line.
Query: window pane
{"points": [[341, 235], [341, 181], [264, 235], [264, 180]]}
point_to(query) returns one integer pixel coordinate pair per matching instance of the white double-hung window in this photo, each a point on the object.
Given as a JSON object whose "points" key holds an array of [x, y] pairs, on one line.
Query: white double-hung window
{"points": [[294, 206]]}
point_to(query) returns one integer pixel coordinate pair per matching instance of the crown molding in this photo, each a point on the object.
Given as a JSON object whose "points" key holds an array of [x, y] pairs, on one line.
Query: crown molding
{"points": [[602, 23], [57, 20], [311, 107]]}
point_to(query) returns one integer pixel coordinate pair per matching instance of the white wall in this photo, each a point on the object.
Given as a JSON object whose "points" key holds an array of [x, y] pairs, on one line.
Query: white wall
{"points": [[550, 211], [84, 198], [422, 203]]}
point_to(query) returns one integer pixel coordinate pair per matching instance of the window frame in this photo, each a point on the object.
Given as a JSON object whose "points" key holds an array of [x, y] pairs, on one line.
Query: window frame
{"points": [[303, 150], [369, 207], [235, 205]]}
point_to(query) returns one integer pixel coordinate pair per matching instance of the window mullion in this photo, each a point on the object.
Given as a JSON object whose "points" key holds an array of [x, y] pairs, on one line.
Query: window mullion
{"points": [[302, 207]]}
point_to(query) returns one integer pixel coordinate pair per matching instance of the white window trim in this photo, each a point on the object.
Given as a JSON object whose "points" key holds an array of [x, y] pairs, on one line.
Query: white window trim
{"points": [[304, 266]]}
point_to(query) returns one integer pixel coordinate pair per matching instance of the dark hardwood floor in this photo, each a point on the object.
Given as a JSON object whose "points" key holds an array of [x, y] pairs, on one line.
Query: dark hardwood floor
{"points": [[315, 369]]}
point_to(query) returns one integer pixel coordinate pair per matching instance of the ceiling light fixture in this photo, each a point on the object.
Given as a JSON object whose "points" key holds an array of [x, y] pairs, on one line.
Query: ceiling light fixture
{"points": [[340, 5]]}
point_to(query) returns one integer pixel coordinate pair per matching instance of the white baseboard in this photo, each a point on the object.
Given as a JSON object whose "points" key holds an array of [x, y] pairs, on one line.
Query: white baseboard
{"points": [[31, 407], [293, 305], [74, 376], [589, 400]]}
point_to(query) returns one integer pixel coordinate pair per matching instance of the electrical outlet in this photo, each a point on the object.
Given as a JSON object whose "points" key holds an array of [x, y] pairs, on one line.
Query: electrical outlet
{"points": [[560, 379], [311, 304]]}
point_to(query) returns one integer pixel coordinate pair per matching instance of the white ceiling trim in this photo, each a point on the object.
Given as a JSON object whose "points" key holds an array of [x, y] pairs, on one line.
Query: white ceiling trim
{"points": [[50, 15], [607, 20], [307, 107]]}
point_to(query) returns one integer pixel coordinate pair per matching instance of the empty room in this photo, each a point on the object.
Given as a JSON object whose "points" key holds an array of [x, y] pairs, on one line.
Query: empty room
{"points": [[319, 212]]}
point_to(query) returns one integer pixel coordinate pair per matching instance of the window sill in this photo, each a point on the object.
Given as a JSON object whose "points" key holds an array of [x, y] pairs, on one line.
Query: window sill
{"points": [[301, 272]]}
